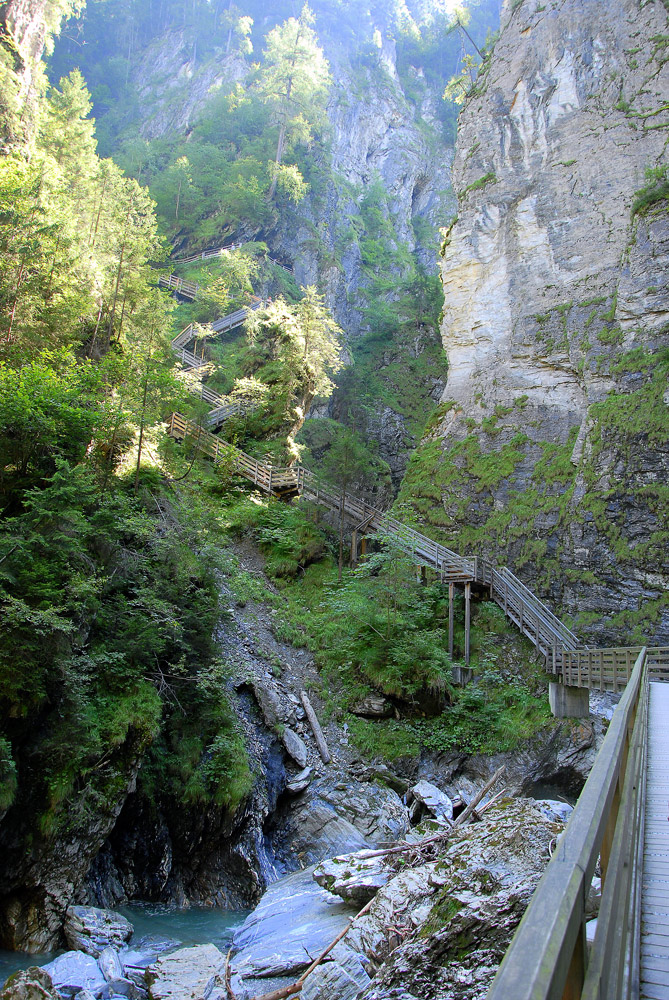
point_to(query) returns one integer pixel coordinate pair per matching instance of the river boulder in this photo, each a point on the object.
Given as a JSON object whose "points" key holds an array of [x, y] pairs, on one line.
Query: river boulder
{"points": [[186, 974], [75, 971], [91, 929], [29, 984], [354, 877]]}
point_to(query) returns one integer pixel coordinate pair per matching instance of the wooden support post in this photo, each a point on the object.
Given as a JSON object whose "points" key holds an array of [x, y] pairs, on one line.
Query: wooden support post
{"points": [[423, 575], [468, 594], [354, 547], [363, 545], [450, 619]]}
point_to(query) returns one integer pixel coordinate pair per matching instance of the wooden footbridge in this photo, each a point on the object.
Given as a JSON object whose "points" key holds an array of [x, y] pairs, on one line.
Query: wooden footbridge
{"points": [[621, 820], [189, 289]]}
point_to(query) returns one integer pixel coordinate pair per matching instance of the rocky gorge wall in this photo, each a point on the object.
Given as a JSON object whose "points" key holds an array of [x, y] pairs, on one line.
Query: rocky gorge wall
{"points": [[551, 447]]}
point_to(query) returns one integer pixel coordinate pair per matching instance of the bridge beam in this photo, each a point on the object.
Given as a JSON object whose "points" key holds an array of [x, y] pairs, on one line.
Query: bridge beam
{"points": [[568, 702]]}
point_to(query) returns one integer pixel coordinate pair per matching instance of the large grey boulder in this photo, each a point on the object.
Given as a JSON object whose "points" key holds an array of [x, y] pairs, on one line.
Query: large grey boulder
{"points": [[91, 929], [439, 929], [294, 921], [295, 747], [75, 971], [336, 817], [353, 877], [186, 974], [426, 797], [29, 984]]}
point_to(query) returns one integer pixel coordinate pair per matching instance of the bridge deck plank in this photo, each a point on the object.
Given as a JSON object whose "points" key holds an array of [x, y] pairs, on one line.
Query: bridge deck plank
{"points": [[655, 882]]}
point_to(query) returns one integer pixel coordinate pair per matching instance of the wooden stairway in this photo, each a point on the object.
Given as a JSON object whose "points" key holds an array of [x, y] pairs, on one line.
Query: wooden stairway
{"points": [[562, 649]]}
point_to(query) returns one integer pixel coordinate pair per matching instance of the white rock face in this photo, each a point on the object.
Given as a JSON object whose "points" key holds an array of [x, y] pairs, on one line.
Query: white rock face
{"points": [[548, 279]]}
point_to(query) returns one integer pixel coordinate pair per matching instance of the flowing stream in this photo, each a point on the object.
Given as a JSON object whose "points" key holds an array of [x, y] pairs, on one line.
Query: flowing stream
{"points": [[196, 925]]}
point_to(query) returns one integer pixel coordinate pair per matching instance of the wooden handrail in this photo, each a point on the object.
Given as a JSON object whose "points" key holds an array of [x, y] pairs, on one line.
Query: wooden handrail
{"points": [[546, 958], [216, 252]]}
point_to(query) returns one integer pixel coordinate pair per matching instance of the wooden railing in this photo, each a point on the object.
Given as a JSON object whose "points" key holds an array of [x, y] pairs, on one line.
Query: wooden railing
{"points": [[566, 658], [449, 565], [188, 289], [216, 252], [606, 669], [547, 956], [269, 479], [524, 608]]}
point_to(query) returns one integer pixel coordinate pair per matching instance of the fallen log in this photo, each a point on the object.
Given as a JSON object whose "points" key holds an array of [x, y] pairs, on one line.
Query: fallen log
{"points": [[316, 728]]}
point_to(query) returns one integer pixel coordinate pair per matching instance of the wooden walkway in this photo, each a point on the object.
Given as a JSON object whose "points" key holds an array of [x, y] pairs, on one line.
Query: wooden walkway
{"points": [[567, 658], [655, 878]]}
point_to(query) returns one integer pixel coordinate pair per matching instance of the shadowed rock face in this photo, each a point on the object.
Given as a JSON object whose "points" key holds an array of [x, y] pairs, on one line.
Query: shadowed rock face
{"points": [[550, 285]]}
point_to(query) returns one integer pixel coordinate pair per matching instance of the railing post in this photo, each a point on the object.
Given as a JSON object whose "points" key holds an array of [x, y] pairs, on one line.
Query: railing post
{"points": [[468, 594], [450, 619]]}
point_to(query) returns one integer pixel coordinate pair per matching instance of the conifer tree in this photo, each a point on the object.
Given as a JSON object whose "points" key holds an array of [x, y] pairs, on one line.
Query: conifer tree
{"points": [[294, 82]]}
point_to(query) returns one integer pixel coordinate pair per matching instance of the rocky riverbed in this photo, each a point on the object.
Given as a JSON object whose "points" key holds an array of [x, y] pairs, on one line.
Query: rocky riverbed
{"points": [[432, 920]]}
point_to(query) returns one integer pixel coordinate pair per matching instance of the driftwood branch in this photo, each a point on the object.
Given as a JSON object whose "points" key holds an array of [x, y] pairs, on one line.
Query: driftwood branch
{"points": [[316, 728], [466, 813], [296, 987], [228, 983]]}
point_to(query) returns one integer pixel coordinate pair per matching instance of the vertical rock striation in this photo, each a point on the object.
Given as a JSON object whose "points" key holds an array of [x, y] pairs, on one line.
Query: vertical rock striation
{"points": [[552, 448]]}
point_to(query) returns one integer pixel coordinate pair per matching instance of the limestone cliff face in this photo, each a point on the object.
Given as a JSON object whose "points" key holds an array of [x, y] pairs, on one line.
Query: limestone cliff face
{"points": [[553, 447], [24, 30]]}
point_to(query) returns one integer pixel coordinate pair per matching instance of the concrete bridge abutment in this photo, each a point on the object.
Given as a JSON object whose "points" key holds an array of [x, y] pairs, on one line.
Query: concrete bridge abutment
{"points": [[568, 702]]}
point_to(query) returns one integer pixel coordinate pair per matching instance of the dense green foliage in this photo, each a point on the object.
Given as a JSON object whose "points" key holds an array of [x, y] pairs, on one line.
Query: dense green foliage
{"points": [[108, 605], [380, 631]]}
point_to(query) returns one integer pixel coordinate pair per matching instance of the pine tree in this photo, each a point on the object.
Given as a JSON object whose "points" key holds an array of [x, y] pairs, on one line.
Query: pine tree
{"points": [[294, 82]]}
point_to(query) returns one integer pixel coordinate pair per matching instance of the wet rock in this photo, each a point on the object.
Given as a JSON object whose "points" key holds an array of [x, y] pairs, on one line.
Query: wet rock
{"points": [[295, 747], [110, 964], [294, 921], [75, 971], [84, 995], [333, 818], [299, 782], [270, 701], [90, 929], [186, 974], [354, 877], [29, 984], [426, 797]]}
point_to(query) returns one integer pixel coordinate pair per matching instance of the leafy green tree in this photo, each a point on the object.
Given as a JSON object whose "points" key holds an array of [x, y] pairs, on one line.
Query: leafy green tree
{"points": [[50, 409], [294, 81], [295, 349], [347, 461], [383, 630]]}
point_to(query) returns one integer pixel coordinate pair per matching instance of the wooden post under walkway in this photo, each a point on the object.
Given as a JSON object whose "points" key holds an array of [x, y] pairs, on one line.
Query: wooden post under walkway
{"points": [[451, 587], [468, 596]]}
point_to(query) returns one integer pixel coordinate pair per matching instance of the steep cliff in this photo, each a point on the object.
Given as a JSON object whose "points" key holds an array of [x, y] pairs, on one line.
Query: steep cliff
{"points": [[551, 447], [26, 28]]}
